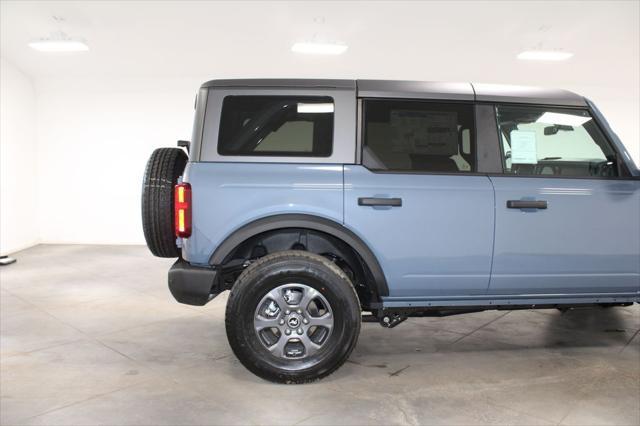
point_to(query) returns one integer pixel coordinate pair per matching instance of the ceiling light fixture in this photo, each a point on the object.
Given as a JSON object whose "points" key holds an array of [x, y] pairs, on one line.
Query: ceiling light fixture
{"points": [[314, 48], [59, 42], [562, 119], [544, 55], [314, 108]]}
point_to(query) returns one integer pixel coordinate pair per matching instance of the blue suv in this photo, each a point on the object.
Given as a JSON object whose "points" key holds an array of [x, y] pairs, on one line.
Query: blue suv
{"points": [[314, 201]]}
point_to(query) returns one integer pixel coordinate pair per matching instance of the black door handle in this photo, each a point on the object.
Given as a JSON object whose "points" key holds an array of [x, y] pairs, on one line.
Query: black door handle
{"points": [[374, 202], [524, 204]]}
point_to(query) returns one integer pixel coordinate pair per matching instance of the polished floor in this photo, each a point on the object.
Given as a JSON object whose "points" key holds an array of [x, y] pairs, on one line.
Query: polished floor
{"points": [[91, 336]]}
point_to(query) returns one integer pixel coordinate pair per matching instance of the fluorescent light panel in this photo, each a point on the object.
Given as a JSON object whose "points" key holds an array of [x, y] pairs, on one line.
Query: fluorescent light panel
{"points": [[319, 48], [544, 55], [64, 45], [315, 108], [562, 119]]}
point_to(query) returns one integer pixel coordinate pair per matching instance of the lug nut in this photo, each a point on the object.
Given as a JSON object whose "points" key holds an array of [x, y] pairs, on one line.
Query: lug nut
{"points": [[287, 332], [299, 331], [287, 312], [281, 321], [299, 311], [306, 321]]}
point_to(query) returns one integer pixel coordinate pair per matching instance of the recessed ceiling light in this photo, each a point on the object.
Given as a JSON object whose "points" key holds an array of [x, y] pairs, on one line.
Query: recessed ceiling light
{"points": [[544, 55], [562, 119], [59, 42], [314, 108], [313, 48]]}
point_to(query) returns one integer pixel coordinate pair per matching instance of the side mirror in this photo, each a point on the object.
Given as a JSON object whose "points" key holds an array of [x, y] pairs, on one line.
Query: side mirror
{"points": [[184, 144]]}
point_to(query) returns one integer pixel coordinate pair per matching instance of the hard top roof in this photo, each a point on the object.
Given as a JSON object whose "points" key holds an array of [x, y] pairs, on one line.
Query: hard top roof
{"points": [[419, 90]]}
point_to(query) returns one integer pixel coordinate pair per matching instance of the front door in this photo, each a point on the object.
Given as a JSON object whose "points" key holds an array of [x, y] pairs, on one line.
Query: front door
{"points": [[417, 202], [566, 222]]}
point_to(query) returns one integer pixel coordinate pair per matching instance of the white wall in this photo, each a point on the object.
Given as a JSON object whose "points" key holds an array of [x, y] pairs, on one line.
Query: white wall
{"points": [[94, 142], [102, 112], [622, 110], [18, 216]]}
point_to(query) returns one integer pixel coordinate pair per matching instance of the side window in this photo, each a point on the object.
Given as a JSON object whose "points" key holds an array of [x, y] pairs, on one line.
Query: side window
{"points": [[418, 136], [276, 126], [553, 141]]}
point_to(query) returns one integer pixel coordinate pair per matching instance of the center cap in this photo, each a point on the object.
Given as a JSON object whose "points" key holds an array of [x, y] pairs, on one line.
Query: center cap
{"points": [[294, 322]]}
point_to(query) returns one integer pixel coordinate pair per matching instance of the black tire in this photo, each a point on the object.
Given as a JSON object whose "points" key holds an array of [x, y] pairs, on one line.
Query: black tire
{"points": [[268, 273], [160, 176]]}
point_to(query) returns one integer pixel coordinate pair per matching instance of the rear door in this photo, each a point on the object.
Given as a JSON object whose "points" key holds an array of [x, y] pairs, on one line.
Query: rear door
{"points": [[418, 201], [567, 220]]}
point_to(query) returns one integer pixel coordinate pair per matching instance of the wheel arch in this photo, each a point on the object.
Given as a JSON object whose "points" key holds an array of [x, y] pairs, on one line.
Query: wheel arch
{"points": [[306, 222]]}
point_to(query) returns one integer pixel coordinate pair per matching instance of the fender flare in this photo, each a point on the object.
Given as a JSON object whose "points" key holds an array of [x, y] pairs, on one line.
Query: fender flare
{"points": [[303, 221]]}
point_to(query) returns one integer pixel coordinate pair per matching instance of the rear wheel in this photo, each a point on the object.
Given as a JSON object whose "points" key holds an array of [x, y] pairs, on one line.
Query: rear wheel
{"points": [[293, 317], [163, 169]]}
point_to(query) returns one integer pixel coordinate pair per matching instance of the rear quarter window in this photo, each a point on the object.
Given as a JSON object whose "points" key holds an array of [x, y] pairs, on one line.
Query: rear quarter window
{"points": [[284, 126]]}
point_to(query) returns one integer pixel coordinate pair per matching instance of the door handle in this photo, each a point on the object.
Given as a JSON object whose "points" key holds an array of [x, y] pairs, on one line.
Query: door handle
{"points": [[375, 202], [524, 204]]}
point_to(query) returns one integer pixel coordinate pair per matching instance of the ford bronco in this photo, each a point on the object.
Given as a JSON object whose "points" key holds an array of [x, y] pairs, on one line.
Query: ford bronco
{"points": [[323, 203]]}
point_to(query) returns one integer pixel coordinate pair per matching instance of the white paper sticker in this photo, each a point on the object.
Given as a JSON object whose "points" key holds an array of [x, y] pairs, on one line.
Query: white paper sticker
{"points": [[523, 147], [424, 132]]}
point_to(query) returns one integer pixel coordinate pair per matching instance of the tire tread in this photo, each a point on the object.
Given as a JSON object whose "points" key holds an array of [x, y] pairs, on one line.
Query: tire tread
{"points": [[161, 174], [247, 277]]}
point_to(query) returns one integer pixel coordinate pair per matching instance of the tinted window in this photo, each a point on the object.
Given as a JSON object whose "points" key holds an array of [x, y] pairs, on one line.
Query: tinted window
{"points": [[556, 142], [277, 126], [418, 136]]}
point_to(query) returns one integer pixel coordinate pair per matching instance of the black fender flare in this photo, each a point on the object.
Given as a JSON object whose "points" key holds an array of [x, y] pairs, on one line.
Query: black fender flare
{"points": [[303, 221]]}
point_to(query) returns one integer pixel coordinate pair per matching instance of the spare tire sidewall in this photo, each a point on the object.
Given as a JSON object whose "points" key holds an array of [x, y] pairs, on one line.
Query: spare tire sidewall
{"points": [[164, 168]]}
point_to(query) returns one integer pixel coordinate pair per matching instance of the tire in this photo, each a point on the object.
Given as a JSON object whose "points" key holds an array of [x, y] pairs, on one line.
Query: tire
{"points": [[293, 270], [160, 177]]}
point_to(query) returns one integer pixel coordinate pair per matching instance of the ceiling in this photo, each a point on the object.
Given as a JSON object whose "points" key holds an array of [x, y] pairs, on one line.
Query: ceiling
{"points": [[455, 41]]}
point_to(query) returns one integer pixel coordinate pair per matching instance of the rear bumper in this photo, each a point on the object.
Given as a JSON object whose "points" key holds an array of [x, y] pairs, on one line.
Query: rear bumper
{"points": [[193, 285]]}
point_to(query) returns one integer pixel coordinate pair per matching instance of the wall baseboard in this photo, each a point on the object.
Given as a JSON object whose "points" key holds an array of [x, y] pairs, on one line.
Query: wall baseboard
{"points": [[13, 250]]}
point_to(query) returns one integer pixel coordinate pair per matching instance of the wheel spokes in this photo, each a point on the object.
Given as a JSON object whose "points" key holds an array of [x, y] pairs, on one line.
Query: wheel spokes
{"points": [[308, 295], [325, 321], [278, 348], [309, 346], [260, 322], [293, 321]]}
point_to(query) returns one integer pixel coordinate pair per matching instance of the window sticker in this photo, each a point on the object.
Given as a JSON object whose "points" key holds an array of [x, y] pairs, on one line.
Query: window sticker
{"points": [[523, 147], [424, 132]]}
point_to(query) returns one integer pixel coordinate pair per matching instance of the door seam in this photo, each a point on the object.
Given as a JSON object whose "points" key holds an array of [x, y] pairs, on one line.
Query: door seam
{"points": [[493, 245]]}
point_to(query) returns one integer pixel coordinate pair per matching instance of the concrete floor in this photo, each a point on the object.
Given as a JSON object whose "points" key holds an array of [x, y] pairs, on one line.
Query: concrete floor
{"points": [[90, 335]]}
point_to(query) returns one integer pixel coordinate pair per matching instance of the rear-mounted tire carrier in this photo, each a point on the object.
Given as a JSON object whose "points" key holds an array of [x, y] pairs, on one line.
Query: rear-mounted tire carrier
{"points": [[163, 169]]}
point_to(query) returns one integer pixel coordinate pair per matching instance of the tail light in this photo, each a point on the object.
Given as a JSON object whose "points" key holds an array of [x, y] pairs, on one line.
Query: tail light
{"points": [[183, 210]]}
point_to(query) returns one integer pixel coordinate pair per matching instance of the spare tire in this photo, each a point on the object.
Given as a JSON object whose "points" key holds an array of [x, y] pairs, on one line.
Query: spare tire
{"points": [[163, 169]]}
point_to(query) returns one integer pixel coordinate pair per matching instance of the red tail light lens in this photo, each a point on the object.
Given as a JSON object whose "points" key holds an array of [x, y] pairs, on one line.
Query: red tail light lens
{"points": [[182, 217]]}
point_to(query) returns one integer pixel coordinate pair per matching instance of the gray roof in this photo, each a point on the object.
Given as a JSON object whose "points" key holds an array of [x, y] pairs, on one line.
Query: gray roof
{"points": [[421, 90], [283, 82], [526, 94]]}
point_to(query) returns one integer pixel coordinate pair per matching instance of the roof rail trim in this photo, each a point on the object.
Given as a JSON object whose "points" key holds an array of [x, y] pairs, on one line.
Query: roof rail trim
{"points": [[526, 95], [283, 83], [398, 89], [415, 89]]}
